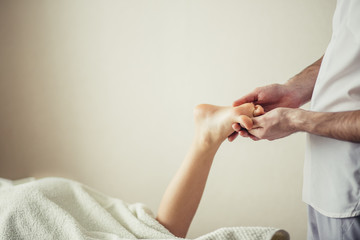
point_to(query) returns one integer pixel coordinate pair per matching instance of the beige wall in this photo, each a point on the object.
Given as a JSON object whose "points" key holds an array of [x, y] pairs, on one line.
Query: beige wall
{"points": [[102, 92]]}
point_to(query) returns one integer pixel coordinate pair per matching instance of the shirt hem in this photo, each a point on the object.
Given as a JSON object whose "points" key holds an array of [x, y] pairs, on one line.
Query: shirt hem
{"points": [[332, 214]]}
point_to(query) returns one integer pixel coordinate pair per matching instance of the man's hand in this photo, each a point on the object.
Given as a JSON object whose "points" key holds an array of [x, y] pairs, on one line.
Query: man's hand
{"points": [[294, 93], [277, 123], [282, 122], [269, 97]]}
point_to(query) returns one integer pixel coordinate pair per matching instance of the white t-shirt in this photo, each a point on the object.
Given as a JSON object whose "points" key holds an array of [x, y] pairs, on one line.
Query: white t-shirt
{"points": [[332, 167]]}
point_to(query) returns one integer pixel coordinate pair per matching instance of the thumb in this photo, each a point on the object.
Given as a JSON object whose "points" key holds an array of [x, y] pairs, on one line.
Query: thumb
{"points": [[251, 97], [257, 122], [255, 133], [245, 122]]}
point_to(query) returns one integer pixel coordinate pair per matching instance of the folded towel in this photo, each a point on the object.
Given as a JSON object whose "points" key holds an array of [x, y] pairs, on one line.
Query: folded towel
{"points": [[57, 208]]}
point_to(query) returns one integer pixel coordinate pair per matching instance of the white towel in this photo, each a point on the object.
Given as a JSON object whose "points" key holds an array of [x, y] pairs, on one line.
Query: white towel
{"points": [[57, 208]]}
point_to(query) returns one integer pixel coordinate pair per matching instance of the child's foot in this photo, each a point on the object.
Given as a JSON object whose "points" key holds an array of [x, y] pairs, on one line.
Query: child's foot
{"points": [[214, 123]]}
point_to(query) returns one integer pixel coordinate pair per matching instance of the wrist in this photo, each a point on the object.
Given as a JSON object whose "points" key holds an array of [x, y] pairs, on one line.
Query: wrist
{"points": [[297, 119], [299, 92], [302, 84]]}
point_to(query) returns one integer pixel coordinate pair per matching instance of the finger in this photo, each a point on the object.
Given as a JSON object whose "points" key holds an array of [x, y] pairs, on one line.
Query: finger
{"points": [[270, 106], [245, 122], [236, 127], [232, 136], [255, 134], [259, 110], [244, 133], [254, 138], [251, 97], [257, 122]]}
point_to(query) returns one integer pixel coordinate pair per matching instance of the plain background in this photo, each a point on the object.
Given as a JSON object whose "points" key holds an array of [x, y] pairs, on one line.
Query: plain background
{"points": [[102, 92]]}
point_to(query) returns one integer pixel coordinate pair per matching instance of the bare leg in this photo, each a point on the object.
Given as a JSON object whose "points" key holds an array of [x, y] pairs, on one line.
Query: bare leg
{"points": [[183, 195]]}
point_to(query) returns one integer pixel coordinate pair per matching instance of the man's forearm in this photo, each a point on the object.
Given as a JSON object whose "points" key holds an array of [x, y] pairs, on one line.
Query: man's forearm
{"points": [[339, 125], [302, 84]]}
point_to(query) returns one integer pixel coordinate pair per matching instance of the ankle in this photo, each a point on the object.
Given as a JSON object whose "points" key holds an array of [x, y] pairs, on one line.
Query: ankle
{"points": [[206, 142], [205, 146]]}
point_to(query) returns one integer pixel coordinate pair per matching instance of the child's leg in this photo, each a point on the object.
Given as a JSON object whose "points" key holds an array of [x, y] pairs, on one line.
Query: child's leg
{"points": [[182, 197]]}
